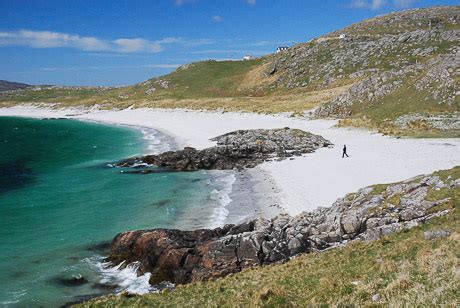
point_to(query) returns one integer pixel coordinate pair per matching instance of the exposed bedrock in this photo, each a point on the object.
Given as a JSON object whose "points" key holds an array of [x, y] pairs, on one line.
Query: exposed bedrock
{"points": [[239, 149], [187, 256]]}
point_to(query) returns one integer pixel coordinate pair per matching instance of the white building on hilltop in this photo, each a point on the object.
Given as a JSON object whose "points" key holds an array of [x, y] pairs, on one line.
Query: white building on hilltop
{"points": [[281, 48], [247, 57]]}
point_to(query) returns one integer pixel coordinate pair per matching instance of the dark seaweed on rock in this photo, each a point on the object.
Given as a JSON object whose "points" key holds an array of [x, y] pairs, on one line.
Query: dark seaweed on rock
{"points": [[100, 247], [70, 282], [161, 203]]}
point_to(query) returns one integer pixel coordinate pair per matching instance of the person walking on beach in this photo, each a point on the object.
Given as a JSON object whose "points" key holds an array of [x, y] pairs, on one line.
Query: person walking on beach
{"points": [[344, 151]]}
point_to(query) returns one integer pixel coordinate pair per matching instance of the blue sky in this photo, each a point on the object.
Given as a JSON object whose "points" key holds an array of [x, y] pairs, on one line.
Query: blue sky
{"points": [[77, 42]]}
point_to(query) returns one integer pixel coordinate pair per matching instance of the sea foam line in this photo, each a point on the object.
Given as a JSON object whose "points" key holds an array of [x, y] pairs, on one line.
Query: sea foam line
{"points": [[16, 298], [125, 277], [220, 196], [156, 142]]}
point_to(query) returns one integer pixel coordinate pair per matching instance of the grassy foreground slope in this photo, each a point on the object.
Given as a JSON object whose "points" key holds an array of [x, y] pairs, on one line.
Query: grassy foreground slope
{"points": [[403, 269], [398, 73]]}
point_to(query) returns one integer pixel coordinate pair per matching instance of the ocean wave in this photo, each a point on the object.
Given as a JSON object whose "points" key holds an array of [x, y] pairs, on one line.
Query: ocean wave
{"points": [[156, 142], [15, 298], [220, 197], [123, 276]]}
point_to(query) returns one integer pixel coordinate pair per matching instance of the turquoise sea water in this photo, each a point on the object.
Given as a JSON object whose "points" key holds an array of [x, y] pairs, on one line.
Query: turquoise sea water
{"points": [[60, 205]]}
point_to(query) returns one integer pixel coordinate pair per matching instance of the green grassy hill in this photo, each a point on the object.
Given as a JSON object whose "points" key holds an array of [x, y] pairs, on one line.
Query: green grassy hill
{"points": [[398, 73], [207, 79]]}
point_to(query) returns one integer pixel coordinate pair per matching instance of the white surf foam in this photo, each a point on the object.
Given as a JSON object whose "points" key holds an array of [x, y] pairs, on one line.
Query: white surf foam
{"points": [[156, 142], [125, 277], [220, 196], [14, 299]]}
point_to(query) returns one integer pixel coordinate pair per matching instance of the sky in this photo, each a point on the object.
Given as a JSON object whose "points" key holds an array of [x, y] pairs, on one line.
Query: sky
{"points": [[112, 43]]}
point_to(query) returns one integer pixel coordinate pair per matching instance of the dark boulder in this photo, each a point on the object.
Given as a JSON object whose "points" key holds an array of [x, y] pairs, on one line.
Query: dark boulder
{"points": [[74, 281]]}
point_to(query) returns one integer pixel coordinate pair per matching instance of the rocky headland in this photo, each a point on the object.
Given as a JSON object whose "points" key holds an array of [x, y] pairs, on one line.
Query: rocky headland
{"points": [[239, 149], [187, 256]]}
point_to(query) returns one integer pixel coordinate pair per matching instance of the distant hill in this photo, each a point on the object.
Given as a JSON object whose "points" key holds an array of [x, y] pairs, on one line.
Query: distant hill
{"points": [[398, 73], [8, 85]]}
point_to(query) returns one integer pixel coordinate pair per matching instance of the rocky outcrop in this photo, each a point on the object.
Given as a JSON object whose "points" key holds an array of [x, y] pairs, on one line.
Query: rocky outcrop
{"points": [[239, 149], [429, 235], [408, 53], [448, 121], [378, 44], [436, 77], [186, 256]]}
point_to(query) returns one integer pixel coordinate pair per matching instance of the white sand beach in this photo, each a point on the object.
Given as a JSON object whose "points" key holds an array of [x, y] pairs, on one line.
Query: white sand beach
{"points": [[304, 183]]}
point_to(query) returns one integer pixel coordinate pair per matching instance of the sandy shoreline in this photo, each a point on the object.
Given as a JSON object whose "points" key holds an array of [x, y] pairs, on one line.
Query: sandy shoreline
{"points": [[254, 194], [305, 183]]}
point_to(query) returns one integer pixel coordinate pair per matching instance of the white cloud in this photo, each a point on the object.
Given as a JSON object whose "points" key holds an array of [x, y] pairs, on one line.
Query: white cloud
{"points": [[263, 43], [185, 41], [217, 18], [404, 3], [207, 51], [48, 39], [83, 68], [368, 4], [182, 2], [227, 51], [196, 42], [377, 4], [136, 45], [169, 40]]}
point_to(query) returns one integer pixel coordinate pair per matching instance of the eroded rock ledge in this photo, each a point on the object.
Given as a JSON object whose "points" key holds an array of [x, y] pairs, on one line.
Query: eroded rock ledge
{"points": [[239, 149], [187, 256]]}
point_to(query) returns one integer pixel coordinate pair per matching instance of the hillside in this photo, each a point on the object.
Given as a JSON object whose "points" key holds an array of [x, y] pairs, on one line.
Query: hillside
{"points": [[9, 86], [416, 266], [398, 73]]}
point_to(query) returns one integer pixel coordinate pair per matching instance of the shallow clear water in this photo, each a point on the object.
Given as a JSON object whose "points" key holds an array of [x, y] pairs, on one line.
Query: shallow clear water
{"points": [[60, 204]]}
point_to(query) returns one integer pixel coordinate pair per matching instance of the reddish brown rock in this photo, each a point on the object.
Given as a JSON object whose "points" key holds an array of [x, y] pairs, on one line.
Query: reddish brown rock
{"points": [[185, 256]]}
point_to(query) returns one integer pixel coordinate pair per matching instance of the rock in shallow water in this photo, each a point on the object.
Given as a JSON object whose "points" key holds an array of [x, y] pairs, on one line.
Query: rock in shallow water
{"points": [[239, 149], [71, 282]]}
